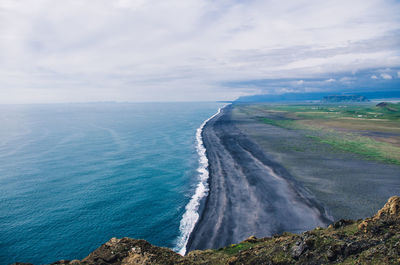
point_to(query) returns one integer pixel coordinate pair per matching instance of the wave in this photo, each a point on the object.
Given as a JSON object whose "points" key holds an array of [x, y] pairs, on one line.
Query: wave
{"points": [[191, 215]]}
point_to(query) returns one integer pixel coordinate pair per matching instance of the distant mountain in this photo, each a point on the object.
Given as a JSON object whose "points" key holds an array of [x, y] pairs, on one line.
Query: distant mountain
{"points": [[295, 97], [389, 106], [344, 98], [287, 97]]}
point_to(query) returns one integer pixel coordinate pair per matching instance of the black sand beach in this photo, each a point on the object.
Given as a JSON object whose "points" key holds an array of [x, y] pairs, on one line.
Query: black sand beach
{"points": [[262, 183], [249, 193]]}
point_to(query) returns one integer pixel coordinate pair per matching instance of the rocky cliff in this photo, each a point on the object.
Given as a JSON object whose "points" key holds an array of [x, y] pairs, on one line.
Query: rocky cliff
{"points": [[375, 240]]}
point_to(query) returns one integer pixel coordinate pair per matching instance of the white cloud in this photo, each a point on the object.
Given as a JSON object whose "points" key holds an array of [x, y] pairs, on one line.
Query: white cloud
{"points": [[142, 50], [347, 80], [330, 80], [398, 74], [374, 77], [386, 76], [300, 82]]}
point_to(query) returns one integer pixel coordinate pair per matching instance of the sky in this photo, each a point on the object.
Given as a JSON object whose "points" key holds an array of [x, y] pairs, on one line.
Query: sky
{"points": [[193, 50]]}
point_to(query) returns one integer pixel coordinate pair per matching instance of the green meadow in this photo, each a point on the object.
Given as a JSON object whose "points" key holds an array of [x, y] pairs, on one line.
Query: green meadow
{"points": [[367, 130]]}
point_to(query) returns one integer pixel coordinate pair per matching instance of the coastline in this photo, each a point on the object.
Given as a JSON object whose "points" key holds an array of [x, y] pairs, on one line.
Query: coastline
{"points": [[194, 207], [248, 193]]}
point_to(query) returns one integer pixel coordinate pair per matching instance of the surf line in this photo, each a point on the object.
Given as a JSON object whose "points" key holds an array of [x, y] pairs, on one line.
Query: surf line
{"points": [[191, 215]]}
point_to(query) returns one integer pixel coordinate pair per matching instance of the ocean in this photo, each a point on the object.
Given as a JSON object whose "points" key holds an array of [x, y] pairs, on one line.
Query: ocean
{"points": [[72, 176]]}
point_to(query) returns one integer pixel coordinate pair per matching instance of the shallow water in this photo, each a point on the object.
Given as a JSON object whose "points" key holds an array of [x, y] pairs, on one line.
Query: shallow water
{"points": [[74, 175]]}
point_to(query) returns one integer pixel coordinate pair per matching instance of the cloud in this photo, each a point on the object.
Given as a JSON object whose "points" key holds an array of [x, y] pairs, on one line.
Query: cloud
{"points": [[386, 76], [398, 74], [347, 79], [300, 82], [374, 77], [142, 50], [330, 80]]}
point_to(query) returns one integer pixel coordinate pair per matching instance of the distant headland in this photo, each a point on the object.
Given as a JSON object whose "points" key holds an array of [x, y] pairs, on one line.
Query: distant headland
{"points": [[316, 96], [344, 98]]}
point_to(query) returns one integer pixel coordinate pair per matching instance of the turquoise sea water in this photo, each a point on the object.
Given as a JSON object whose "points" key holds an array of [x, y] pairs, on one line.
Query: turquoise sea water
{"points": [[74, 175]]}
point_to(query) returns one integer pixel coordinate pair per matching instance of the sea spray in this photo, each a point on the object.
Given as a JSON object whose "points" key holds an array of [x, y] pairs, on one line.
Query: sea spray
{"points": [[191, 215]]}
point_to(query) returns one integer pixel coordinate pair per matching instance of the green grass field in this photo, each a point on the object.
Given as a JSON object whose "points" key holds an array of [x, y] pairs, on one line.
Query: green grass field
{"points": [[370, 131], [390, 111]]}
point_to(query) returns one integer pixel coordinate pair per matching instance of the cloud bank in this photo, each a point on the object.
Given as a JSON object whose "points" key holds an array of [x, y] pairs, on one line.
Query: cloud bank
{"points": [[173, 50]]}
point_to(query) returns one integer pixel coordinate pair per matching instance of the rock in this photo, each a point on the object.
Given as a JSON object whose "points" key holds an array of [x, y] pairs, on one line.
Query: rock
{"points": [[390, 210], [131, 251], [363, 226], [341, 223], [299, 249], [334, 251], [388, 235], [251, 239], [331, 254], [112, 242], [309, 243], [352, 248]]}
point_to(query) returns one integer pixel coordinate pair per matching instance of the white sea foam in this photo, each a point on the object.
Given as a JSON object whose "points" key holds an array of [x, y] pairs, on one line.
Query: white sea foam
{"points": [[191, 214]]}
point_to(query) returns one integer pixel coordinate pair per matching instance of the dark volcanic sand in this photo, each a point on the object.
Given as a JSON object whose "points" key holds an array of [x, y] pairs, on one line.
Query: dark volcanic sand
{"points": [[348, 185], [249, 193]]}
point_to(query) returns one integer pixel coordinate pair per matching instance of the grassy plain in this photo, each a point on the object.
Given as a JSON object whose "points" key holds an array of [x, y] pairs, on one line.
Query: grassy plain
{"points": [[370, 131]]}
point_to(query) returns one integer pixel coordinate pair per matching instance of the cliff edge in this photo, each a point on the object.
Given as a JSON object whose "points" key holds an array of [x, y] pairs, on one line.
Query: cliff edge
{"points": [[375, 240]]}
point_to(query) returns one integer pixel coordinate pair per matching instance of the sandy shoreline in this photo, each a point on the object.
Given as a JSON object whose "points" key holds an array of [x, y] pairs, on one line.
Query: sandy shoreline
{"points": [[249, 193]]}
